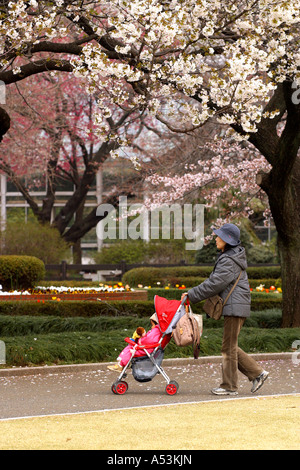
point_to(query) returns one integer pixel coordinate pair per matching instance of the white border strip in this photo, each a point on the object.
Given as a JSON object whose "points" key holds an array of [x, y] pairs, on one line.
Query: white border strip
{"points": [[152, 406]]}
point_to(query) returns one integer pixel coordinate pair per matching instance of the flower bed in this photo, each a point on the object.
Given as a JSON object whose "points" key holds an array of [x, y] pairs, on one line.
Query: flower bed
{"points": [[103, 292], [262, 288]]}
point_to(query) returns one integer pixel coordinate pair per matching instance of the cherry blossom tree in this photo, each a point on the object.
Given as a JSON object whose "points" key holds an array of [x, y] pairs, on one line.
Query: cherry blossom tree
{"points": [[239, 63], [54, 138], [235, 61], [221, 171]]}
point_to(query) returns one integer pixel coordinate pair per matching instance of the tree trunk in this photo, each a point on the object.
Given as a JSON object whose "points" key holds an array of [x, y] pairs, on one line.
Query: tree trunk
{"points": [[290, 273], [282, 186], [4, 123], [285, 206], [77, 252]]}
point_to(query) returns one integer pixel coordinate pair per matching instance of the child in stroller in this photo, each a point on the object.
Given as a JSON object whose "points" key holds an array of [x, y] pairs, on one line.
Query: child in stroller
{"points": [[140, 337], [145, 357]]}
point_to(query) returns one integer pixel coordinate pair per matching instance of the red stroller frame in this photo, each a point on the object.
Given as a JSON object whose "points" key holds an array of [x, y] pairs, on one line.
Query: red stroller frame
{"points": [[145, 367]]}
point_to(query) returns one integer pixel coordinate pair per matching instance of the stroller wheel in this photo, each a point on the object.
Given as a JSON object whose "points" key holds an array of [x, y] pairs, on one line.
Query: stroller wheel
{"points": [[119, 387], [172, 387]]}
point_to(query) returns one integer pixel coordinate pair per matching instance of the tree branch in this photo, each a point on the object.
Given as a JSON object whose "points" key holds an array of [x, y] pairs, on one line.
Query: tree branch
{"points": [[33, 68], [17, 182]]}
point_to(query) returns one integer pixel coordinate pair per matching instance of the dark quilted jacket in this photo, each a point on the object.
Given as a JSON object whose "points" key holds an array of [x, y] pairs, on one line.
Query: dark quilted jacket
{"points": [[221, 280]]}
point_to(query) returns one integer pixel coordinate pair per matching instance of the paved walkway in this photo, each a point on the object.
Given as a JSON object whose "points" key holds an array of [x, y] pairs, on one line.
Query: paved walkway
{"points": [[52, 390]]}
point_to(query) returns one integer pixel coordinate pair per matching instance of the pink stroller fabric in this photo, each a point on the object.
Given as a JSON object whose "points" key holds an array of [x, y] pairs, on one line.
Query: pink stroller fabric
{"points": [[153, 336]]}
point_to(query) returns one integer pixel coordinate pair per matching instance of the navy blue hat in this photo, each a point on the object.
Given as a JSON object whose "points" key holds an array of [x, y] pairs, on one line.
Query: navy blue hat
{"points": [[229, 233]]}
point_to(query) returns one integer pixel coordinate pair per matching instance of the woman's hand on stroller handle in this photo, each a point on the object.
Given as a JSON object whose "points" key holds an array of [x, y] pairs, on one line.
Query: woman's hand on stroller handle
{"points": [[184, 298]]}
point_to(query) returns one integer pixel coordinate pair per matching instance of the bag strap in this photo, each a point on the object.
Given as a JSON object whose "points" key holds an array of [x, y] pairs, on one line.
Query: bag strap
{"points": [[232, 289]]}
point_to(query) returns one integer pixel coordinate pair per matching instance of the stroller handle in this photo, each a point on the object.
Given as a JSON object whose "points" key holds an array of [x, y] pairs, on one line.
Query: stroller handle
{"points": [[129, 341], [185, 299]]}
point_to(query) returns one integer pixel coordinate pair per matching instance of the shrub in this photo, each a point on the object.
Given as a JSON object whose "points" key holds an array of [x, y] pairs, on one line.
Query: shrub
{"points": [[138, 251], [264, 272], [149, 276], [75, 308], [130, 251], [22, 325], [270, 318], [34, 239], [258, 301], [207, 254], [265, 282], [20, 272], [137, 308], [260, 254]]}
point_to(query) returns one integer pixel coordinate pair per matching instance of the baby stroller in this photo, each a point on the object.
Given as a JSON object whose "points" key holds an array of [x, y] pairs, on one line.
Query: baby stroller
{"points": [[144, 368]]}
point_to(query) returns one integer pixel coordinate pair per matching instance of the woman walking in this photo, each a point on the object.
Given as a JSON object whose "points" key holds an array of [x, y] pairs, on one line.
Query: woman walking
{"points": [[230, 263]]}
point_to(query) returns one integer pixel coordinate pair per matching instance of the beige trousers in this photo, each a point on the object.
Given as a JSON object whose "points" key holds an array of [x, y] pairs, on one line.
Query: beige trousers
{"points": [[233, 357]]}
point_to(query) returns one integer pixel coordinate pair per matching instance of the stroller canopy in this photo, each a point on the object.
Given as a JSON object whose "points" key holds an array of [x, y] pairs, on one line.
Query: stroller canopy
{"points": [[168, 313]]}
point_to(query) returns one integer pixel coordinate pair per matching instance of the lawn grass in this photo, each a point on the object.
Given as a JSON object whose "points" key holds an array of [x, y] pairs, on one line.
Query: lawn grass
{"points": [[249, 424]]}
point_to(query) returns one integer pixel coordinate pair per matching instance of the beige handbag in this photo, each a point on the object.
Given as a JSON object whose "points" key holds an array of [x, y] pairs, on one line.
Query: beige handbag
{"points": [[213, 306], [188, 331]]}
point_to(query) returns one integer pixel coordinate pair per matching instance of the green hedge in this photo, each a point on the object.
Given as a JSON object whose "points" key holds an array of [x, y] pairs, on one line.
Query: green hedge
{"points": [[266, 282], [20, 272], [178, 275], [74, 308], [259, 301], [137, 308], [264, 272], [89, 346], [25, 325], [150, 276], [80, 332]]}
